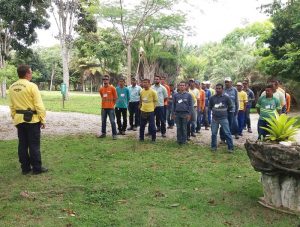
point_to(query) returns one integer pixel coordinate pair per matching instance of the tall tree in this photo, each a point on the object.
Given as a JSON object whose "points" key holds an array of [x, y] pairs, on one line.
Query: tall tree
{"points": [[133, 20], [18, 21]]}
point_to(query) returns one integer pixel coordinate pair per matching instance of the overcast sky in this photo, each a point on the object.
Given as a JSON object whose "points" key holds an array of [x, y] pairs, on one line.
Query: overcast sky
{"points": [[210, 20]]}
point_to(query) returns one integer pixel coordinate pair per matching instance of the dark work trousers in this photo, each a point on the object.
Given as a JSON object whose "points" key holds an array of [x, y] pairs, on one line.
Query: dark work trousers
{"points": [[205, 117], [134, 113], [233, 126], [145, 117], [247, 118], [121, 112], [111, 114], [181, 124], [160, 118], [29, 140]]}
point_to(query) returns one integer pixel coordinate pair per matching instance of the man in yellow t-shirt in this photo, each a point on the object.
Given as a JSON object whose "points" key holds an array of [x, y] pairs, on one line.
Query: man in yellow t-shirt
{"points": [[29, 116], [148, 102], [243, 99]]}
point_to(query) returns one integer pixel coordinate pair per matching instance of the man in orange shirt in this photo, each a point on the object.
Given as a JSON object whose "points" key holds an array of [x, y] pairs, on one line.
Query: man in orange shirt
{"points": [[109, 97]]}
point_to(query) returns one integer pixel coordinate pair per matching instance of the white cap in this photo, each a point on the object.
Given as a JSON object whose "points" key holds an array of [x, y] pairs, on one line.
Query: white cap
{"points": [[227, 79], [208, 82], [239, 83]]}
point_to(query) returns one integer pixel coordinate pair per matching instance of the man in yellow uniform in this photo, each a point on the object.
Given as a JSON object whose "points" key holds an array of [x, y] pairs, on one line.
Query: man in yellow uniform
{"points": [[28, 113], [148, 102]]}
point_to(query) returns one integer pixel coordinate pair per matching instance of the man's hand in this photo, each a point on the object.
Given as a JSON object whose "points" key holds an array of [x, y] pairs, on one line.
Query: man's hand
{"points": [[189, 117], [43, 125]]}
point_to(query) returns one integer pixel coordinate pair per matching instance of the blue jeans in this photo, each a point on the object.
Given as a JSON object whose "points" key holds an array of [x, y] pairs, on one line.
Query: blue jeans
{"points": [[199, 120], [214, 132], [261, 132], [169, 116], [160, 118], [241, 121], [233, 126], [111, 114], [145, 117], [181, 125], [209, 116]]}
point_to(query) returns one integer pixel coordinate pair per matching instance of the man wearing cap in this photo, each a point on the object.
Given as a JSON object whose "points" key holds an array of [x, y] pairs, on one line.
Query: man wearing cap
{"points": [[251, 98], [232, 93], [243, 99], [134, 112], [29, 116], [212, 92], [159, 109]]}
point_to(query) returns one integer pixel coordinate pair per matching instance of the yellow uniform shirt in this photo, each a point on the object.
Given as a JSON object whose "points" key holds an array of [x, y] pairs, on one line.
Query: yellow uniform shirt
{"points": [[243, 99], [24, 94], [196, 93], [194, 98], [149, 100]]}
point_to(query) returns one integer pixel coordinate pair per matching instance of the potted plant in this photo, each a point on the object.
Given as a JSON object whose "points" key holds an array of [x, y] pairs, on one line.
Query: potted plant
{"points": [[277, 157]]}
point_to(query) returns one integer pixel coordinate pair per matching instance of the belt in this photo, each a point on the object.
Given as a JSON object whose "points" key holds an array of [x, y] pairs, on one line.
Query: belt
{"points": [[25, 111]]}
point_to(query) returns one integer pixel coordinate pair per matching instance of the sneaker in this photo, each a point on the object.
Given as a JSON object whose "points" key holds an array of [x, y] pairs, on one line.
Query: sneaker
{"points": [[188, 138], [249, 130], [193, 134], [163, 135], [115, 137], [158, 129], [206, 128], [42, 170], [197, 131], [134, 129], [102, 136], [222, 142], [119, 133], [236, 136], [230, 151], [245, 128], [123, 133], [130, 128]]}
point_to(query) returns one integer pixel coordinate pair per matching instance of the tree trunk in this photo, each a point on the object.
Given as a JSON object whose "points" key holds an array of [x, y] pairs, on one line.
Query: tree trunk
{"points": [[91, 86], [3, 82], [128, 63], [65, 59], [52, 76]]}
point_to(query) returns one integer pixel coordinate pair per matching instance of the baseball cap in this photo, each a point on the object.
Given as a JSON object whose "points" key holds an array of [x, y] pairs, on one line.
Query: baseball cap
{"points": [[207, 82], [239, 83], [227, 79]]}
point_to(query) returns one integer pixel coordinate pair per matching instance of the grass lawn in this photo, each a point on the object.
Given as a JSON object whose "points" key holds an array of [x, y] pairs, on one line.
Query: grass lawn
{"points": [[95, 182], [78, 102]]}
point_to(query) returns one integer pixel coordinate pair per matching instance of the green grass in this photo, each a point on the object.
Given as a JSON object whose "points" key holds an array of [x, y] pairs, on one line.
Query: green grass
{"points": [[121, 183], [78, 102]]}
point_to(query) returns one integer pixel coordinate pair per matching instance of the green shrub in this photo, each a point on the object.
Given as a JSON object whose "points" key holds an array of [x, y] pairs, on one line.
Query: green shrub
{"points": [[281, 127]]}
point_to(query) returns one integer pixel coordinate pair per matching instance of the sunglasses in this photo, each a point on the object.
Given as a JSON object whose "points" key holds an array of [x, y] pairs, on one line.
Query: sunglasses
{"points": [[105, 79]]}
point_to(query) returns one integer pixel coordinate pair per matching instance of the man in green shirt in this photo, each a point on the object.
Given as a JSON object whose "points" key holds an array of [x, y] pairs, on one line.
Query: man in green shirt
{"points": [[266, 107]]}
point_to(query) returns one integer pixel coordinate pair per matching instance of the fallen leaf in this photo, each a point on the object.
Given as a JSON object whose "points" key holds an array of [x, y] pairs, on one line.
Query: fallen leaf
{"points": [[228, 223], [122, 201], [211, 201], [174, 205]]}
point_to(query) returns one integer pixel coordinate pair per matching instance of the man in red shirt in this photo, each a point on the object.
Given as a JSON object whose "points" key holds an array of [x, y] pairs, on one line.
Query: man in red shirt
{"points": [[109, 97]]}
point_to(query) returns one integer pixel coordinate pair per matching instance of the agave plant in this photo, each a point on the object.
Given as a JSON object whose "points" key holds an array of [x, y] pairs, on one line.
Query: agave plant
{"points": [[281, 127]]}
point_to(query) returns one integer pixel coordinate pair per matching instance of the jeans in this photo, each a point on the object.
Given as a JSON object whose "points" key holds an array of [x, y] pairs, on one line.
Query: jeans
{"points": [[181, 125], [247, 118], [199, 120], [233, 126], [134, 113], [209, 116], [241, 121], [111, 115], [205, 117], [261, 132], [29, 140], [121, 112], [214, 132], [169, 117], [160, 118], [145, 117]]}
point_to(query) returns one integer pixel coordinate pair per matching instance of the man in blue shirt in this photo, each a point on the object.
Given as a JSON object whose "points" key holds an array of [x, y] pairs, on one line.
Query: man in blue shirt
{"points": [[221, 106], [134, 112], [182, 109], [232, 93], [205, 112], [121, 106]]}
